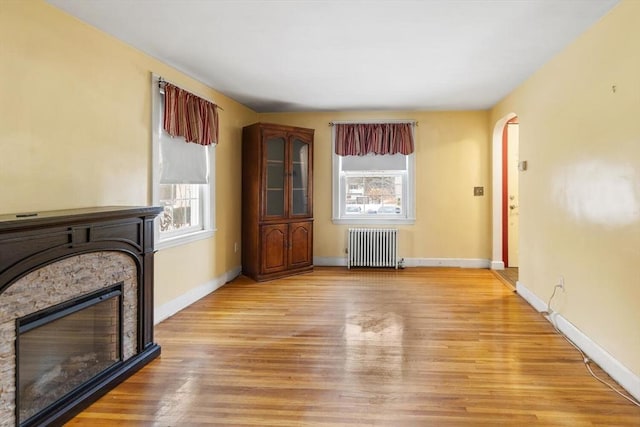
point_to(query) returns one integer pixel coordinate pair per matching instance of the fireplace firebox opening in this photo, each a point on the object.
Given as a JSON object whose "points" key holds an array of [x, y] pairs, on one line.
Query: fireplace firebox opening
{"points": [[63, 347]]}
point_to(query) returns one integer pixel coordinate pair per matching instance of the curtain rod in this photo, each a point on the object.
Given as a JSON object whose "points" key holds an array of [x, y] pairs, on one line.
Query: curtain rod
{"points": [[356, 122], [162, 82]]}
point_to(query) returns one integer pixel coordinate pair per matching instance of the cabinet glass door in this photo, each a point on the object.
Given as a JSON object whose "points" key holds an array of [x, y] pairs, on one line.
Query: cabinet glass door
{"points": [[300, 177], [275, 170]]}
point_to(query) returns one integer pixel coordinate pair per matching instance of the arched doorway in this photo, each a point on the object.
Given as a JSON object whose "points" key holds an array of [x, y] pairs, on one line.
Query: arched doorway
{"points": [[504, 201]]}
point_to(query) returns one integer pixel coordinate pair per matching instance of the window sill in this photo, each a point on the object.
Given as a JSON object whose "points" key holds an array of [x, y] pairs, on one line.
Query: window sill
{"points": [[373, 221], [184, 239]]}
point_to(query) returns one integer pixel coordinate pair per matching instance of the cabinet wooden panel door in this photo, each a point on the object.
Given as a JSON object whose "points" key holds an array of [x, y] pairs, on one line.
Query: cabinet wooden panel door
{"points": [[274, 248], [286, 246], [300, 244]]}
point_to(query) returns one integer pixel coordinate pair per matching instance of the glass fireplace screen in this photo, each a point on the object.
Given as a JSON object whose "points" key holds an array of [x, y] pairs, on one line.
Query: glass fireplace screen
{"points": [[62, 348]]}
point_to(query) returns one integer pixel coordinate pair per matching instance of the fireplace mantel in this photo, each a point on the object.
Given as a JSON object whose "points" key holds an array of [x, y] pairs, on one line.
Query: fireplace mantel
{"points": [[31, 241]]}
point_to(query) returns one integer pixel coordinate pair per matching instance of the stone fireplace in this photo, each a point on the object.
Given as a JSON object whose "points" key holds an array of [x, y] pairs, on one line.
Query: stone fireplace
{"points": [[76, 308]]}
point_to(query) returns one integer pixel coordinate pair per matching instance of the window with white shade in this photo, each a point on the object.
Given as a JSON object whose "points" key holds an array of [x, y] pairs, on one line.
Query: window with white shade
{"points": [[182, 182], [373, 188]]}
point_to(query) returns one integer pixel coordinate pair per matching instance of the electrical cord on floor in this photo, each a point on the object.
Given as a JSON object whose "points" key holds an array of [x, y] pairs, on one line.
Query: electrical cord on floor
{"points": [[549, 311], [585, 359]]}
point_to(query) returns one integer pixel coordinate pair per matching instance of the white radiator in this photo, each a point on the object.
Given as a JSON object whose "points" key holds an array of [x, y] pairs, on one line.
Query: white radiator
{"points": [[372, 247]]}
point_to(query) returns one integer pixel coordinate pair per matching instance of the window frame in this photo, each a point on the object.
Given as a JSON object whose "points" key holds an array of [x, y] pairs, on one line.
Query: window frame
{"points": [[339, 187], [207, 227]]}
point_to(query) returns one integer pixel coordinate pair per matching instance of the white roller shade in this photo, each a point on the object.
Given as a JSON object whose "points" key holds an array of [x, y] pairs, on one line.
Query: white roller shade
{"points": [[374, 162], [182, 162]]}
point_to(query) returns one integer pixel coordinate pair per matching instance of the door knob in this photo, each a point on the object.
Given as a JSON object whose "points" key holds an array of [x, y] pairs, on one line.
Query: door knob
{"points": [[512, 207]]}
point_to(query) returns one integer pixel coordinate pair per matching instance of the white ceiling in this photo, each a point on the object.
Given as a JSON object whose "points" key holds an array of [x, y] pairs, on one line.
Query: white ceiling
{"points": [[330, 55]]}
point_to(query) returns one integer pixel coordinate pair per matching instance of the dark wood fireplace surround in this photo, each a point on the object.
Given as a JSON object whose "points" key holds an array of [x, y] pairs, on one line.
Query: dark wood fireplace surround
{"points": [[33, 240]]}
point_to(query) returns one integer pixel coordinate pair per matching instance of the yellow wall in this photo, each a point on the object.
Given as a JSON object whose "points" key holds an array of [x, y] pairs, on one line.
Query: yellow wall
{"points": [[580, 198], [452, 156], [75, 123], [75, 132]]}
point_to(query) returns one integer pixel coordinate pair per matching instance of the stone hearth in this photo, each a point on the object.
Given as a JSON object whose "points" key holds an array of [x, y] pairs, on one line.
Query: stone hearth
{"points": [[64, 280]]}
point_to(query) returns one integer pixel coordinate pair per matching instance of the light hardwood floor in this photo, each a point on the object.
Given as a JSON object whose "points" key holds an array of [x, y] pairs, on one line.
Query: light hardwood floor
{"points": [[508, 276], [416, 347]]}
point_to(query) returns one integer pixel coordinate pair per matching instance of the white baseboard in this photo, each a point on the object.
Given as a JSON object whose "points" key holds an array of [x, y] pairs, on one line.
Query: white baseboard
{"points": [[616, 370], [497, 265], [414, 262], [172, 307], [530, 297], [447, 262]]}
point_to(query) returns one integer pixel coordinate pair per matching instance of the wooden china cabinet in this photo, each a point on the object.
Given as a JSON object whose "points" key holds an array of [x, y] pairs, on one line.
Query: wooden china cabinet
{"points": [[277, 201]]}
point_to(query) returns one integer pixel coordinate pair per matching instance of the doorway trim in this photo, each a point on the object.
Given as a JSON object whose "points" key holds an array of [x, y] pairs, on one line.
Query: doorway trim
{"points": [[497, 262]]}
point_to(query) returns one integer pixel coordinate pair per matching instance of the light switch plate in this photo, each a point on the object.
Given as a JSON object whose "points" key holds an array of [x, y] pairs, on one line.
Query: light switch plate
{"points": [[522, 165]]}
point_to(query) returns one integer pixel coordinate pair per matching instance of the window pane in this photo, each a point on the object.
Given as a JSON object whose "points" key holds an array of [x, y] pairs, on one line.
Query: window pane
{"points": [[300, 176], [373, 194], [299, 201], [182, 207], [275, 176], [275, 202], [275, 149]]}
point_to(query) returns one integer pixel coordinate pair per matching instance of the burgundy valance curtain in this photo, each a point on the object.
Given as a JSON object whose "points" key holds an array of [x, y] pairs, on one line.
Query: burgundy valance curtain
{"points": [[189, 116], [358, 139]]}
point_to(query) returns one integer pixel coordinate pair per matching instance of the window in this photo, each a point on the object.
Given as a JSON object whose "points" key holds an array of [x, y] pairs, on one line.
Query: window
{"points": [[182, 209], [373, 188], [182, 182]]}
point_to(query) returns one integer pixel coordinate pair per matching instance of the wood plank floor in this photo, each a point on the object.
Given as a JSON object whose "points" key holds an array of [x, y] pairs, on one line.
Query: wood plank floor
{"points": [[414, 347], [509, 276]]}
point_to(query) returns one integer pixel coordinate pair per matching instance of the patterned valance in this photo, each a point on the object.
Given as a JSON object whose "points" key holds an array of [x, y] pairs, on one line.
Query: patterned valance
{"points": [[190, 116], [358, 139]]}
